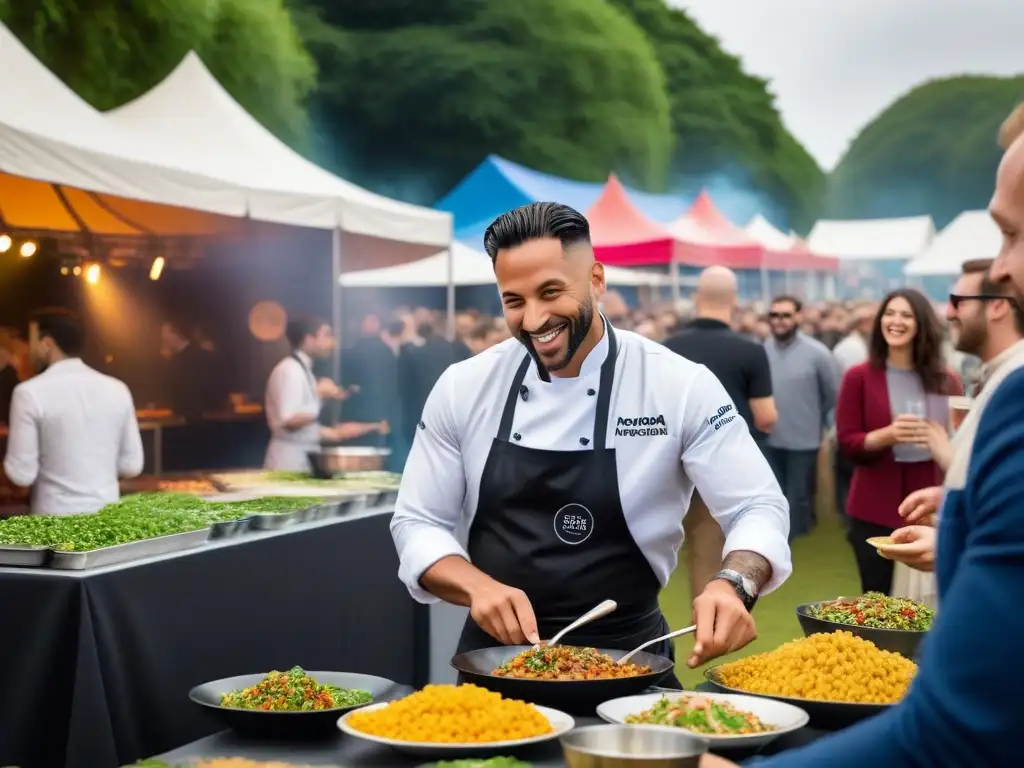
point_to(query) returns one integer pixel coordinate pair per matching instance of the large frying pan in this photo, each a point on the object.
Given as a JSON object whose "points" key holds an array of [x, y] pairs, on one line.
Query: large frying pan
{"points": [[579, 697]]}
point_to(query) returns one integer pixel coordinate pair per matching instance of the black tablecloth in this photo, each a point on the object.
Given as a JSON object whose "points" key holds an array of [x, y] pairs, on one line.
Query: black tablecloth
{"points": [[95, 668]]}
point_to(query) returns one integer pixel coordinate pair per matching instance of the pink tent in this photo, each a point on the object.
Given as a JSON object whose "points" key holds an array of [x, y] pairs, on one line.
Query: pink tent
{"points": [[622, 235], [706, 237], [799, 257]]}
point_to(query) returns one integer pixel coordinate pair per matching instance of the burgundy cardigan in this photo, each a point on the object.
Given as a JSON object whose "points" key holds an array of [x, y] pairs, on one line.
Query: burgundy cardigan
{"points": [[880, 483]]}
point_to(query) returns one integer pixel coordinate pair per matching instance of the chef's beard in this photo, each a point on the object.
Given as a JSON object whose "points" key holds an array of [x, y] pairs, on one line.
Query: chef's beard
{"points": [[579, 327]]}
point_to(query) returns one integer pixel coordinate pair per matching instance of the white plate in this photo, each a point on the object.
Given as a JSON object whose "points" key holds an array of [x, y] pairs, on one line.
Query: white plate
{"points": [[785, 717], [561, 723]]}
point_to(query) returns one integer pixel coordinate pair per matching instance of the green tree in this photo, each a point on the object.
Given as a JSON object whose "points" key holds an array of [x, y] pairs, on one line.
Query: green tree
{"points": [[932, 151], [111, 51], [413, 95], [724, 120]]}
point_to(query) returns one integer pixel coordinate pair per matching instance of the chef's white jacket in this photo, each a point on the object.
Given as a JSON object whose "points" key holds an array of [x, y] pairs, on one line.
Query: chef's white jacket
{"points": [[671, 423], [291, 390], [73, 432]]}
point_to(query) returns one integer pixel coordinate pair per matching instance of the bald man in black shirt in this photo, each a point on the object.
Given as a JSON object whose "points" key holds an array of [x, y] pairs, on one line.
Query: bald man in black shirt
{"points": [[742, 367]]}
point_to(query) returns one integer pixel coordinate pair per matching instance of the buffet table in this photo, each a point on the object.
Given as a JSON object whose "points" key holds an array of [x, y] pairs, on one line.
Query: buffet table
{"points": [[343, 752], [97, 665]]}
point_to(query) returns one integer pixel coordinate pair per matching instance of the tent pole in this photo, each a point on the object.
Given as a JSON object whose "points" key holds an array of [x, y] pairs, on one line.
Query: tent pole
{"points": [[450, 300], [765, 287], [676, 295], [336, 305]]}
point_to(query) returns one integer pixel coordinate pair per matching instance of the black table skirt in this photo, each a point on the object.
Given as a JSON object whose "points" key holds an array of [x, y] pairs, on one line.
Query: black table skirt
{"points": [[95, 669]]}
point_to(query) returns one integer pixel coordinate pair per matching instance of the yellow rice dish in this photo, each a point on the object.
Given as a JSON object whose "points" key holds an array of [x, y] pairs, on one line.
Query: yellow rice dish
{"points": [[448, 714], [826, 667]]}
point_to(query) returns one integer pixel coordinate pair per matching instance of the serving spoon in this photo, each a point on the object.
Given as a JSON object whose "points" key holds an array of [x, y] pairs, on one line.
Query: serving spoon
{"points": [[603, 609], [678, 633]]}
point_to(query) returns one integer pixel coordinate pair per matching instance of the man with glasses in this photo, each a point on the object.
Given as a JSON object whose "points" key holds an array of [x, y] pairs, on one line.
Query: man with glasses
{"points": [[804, 384]]}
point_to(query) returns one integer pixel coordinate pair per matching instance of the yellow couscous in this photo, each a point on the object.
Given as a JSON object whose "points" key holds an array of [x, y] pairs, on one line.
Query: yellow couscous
{"points": [[834, 666], [449, 714]]}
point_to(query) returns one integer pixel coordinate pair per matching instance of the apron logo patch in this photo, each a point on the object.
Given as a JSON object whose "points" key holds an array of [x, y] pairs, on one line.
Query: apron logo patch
{"points": [[573, 524], [720, 419], [641, 426]]}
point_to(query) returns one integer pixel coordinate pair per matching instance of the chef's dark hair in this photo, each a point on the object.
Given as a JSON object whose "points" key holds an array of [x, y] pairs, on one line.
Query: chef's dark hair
{"points": [[301, 326], [63, 327], [533, 222]]}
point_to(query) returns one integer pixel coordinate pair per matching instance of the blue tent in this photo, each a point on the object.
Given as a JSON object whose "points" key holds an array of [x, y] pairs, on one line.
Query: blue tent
{"points": [[498, 185]]}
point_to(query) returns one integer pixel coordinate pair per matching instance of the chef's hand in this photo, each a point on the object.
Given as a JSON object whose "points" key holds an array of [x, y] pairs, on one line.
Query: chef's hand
{"points": [[909, 429], [723, 623], [914, 546], [919, 508], [714, 761], [504, 613], [326, 388]]}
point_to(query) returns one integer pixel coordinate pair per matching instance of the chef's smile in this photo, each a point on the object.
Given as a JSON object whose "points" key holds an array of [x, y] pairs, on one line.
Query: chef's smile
{"points": [[549, 341]]}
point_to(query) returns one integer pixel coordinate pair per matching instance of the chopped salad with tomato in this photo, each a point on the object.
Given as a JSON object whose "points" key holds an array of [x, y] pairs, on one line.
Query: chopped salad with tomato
{"points": [[702, 715], [877, 611], [293, 691]]}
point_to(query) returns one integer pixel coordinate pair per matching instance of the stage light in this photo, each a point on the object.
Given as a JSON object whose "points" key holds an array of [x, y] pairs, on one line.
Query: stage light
{"points": [[92, 274], [157, 269], [5, 243], [28, 248]]}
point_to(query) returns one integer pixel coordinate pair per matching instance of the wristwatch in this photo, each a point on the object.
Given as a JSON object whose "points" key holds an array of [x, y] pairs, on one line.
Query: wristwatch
{"points": [[746, 589]]}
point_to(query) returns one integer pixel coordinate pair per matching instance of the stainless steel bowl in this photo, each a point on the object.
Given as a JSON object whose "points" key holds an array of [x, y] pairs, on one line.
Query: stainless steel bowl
{"points": [[632, 746], [331, 461]]}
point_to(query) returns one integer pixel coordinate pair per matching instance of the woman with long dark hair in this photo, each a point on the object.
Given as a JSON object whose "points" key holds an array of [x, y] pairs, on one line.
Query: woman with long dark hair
{"points": [[887, 411]]}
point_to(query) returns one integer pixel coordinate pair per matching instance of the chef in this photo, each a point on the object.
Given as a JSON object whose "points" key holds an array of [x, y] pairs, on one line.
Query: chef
{"points": [[294, 396], [553, 470]]}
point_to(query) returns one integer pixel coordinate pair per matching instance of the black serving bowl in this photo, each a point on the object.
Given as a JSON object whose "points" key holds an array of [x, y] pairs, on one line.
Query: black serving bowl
{"points": [[824, 715], [577, 697], [902, 641], [321, 723]]}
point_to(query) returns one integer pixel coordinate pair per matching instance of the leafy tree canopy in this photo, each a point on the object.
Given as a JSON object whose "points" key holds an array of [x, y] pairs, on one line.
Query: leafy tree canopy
{"points": [[111, 51], [932, 151], [416, 94], [724, 120]]}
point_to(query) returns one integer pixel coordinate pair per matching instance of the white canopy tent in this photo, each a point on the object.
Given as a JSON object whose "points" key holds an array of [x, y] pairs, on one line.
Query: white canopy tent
{"points": [[768, 235], [194, 124], [971, 235], [49, 135], [470, 267], [872, 239]]}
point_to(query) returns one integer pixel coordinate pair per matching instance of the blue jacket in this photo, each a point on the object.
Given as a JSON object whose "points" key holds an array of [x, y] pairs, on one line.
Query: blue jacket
{"points": [[963, 708]]}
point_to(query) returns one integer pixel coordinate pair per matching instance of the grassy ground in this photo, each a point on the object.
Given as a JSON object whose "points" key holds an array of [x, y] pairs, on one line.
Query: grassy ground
{"points": [[823, 568]]}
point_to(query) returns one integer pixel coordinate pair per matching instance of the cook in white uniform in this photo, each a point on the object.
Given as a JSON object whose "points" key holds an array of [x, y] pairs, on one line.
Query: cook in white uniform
{"points": [[73, 429], [294, 397], [553, 470]]}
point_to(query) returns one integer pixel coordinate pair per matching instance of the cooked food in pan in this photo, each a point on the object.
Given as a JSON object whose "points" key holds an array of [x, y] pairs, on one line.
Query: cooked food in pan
{"points": [[833, 666], [293, 691], [448, 714], [566, 662], [701, 715], [877, 611]]}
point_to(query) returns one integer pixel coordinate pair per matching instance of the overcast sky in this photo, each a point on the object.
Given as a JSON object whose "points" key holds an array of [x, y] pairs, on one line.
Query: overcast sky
{"points": [[834, 64]]}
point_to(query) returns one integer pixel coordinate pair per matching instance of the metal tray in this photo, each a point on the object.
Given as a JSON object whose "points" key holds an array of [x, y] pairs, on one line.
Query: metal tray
{"points": [[227, 528], [24, 556], [271, 521], [123, 553]]}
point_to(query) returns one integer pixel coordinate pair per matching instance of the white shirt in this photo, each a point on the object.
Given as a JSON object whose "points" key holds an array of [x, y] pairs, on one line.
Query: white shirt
{"points": [[851, 351], [291, 391], [439, 491], [73, 432]]}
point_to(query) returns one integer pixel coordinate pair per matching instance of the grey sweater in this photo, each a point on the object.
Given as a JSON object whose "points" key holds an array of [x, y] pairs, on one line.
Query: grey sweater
{"points": [[805, 383]]}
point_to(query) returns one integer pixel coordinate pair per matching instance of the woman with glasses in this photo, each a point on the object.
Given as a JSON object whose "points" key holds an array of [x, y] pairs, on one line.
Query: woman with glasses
{"points": [[889, 412]]}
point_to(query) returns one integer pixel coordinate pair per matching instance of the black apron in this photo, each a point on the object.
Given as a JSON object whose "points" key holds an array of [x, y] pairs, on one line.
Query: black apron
{"points": [[551, 524]]}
